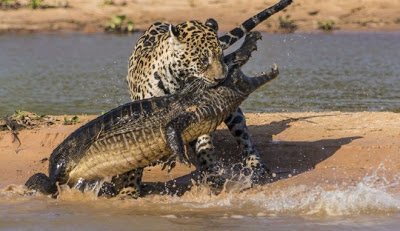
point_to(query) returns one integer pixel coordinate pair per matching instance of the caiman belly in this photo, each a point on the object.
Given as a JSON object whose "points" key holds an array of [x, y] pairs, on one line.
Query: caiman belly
{"points": [[121, 153]]}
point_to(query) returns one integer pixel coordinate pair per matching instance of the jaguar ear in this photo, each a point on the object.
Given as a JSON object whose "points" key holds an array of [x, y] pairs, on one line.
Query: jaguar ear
{"points": [[212, 24], [173, 34]]}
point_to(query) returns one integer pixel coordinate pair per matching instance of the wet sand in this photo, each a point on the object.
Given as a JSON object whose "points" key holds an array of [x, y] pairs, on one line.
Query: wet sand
{"points": [[329, 149], [92, 16]]}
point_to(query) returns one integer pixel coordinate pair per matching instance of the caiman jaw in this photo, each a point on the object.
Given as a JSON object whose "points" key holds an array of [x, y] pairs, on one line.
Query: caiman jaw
{"points": [[248, 84]]}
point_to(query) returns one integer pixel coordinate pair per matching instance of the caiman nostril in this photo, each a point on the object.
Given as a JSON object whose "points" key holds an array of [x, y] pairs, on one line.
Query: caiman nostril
{"points": [[220, 78], [223, 75]]}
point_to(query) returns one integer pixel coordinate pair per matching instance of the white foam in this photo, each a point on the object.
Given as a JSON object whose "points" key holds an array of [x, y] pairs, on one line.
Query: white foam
{"points": [[370, 195]]}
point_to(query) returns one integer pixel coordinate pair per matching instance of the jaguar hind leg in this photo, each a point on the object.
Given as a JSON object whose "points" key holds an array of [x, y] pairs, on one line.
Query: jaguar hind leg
{"points": [[128, 183]]}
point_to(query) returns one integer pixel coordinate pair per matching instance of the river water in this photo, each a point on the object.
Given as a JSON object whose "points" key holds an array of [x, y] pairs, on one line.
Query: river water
{"points": [[79, 73], [365, 206]]}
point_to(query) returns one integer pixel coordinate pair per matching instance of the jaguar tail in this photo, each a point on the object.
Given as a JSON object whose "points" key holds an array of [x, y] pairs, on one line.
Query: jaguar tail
{"points": [[232, 36]]}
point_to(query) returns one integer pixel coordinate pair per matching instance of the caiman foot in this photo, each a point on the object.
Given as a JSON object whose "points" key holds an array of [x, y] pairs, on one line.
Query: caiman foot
{"points": [[42, 183], [169, 162], [250, 41]]}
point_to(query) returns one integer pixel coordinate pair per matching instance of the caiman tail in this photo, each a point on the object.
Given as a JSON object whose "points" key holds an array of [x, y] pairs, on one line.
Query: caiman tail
{"points": [[232, 36], [42, 183]]}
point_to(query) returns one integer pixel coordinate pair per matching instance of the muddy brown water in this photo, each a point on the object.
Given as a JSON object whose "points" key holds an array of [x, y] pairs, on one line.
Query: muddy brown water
{"points": [[365, 206], [76, 73]]}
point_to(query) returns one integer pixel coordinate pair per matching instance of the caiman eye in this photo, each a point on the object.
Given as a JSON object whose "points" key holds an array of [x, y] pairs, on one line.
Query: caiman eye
{"points": [[205, 62]]}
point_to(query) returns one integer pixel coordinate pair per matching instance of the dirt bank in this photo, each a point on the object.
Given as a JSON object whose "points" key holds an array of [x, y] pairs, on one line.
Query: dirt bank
{"points": [[330, 148], [93, 15]]}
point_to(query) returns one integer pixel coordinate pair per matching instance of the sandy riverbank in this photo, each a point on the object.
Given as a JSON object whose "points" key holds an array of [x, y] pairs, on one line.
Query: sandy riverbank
{"points": [[328, 149], [93, 15]]}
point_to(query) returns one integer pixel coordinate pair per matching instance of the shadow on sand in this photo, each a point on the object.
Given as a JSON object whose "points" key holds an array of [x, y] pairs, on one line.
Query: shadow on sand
{"points": [[285, 158]]}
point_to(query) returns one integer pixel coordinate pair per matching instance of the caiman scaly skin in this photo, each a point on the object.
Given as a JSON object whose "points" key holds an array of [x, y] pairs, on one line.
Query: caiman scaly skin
{"points": [[139, 133]]}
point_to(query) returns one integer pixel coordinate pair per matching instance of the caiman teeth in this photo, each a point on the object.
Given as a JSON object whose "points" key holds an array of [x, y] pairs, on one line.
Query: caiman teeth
{"points": [[275, 67]]}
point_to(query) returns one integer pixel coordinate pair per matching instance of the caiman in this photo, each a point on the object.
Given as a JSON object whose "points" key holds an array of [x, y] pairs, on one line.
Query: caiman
{"points": [[139, 133]]}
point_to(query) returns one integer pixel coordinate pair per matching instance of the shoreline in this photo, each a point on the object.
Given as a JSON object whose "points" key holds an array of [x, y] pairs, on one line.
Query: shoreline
{"points": [[307, 148], [91, 16], [80, 32]]}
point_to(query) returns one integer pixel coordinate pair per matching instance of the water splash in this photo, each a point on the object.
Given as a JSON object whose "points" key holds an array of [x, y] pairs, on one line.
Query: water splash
{"points": [[368, 196], [371, 195]]}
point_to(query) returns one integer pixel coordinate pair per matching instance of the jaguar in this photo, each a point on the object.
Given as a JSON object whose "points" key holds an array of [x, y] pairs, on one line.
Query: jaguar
{"points": [[164, 57]]}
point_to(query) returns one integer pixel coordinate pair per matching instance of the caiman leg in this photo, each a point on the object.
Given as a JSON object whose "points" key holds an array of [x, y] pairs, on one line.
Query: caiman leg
{"points": [[174, 139]]}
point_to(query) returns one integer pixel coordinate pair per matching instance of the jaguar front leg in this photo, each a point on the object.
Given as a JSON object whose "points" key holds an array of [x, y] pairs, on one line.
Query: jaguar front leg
{"points": [[251, 157], [209, 167]]}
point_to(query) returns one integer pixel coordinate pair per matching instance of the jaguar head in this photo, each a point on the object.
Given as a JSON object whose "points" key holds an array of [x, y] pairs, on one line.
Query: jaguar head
{"points": [[197, 51]]}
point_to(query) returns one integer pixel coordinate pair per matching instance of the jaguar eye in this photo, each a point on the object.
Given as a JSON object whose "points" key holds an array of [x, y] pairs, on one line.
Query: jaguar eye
{"points": [[205, 62]]}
